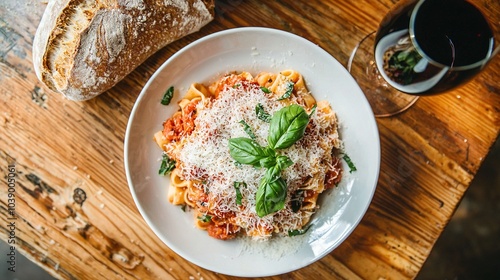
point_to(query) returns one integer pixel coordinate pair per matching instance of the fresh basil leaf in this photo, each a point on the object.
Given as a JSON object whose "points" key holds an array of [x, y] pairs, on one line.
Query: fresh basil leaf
{"points": [[248, 129], [287, 126], [268, 162], [262, 114], [265, 90], [167, 97], [288, 91], [296, 232], [270, 158], [272, 174], [270, 196], [282, 162], [349, 162], [270, 152], [167, 165], [246, 151], [237, 186]]}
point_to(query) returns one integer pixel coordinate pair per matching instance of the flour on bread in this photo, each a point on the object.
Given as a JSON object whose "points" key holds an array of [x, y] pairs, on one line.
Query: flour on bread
{"points": [[83, 48]]}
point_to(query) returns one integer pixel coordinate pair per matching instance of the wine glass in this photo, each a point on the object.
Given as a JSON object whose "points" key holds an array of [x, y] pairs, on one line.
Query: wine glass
{"points": [[424, 47]]}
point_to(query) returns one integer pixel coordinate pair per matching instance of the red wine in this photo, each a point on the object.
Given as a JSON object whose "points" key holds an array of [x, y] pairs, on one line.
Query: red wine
{"points": [[431, 46], [461, 25]]}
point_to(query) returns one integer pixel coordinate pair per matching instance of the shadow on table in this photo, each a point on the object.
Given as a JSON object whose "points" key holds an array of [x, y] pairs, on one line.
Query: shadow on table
{"points": [[469, 247], [24, 268]]}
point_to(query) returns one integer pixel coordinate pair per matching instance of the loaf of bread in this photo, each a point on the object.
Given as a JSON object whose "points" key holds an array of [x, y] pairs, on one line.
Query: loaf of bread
{"points": [[84, 47]]}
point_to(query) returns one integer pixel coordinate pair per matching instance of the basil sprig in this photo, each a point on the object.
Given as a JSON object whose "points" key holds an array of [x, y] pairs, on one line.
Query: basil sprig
{"points": [[167, 165], [287, 126], [271, 195], [248, 129], [349, 162], [247, 151], [288, 91], [239, 196], [167, 97], [262, 114], [205, 218], [296, 232], [265, 90]]}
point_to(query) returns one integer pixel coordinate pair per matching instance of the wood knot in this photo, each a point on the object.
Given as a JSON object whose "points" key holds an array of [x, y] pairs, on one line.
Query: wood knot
{"points": [[79, 196], [112, 249]]}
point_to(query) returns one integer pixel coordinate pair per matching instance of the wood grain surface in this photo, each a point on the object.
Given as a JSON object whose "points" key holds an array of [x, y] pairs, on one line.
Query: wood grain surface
{"points": [[75, 217]]}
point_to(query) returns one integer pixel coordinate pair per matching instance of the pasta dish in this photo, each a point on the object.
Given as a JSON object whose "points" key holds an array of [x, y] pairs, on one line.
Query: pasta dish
{"points": [[250, 155]]}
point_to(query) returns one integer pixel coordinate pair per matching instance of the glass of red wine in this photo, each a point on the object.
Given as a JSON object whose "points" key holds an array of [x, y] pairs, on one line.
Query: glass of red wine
{"points": [[425, 47]]}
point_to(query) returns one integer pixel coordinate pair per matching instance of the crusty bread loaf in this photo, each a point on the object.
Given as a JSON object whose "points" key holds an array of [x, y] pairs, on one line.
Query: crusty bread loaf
{"points": [[84, 47]]}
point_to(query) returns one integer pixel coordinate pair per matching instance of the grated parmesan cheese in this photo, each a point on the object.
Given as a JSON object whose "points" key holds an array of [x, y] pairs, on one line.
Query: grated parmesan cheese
{"points": [[204, 156]]}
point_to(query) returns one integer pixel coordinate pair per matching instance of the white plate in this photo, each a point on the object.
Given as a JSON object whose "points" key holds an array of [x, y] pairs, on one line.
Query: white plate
{"points": [[253, 50]]}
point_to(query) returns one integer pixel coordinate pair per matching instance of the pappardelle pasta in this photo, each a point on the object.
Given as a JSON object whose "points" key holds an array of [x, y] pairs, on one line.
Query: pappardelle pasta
{"points": [[252, 154]]}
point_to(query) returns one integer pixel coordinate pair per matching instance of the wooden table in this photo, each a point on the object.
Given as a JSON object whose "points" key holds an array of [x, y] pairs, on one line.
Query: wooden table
{"points": [[57, 149]]}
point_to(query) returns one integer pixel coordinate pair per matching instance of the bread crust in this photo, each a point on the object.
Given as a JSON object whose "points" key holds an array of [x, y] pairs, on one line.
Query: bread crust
{"points": [[84, 47]]}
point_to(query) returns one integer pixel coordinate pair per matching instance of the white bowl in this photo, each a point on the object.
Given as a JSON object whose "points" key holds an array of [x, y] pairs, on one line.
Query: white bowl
{"points": [[254, 50]]}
